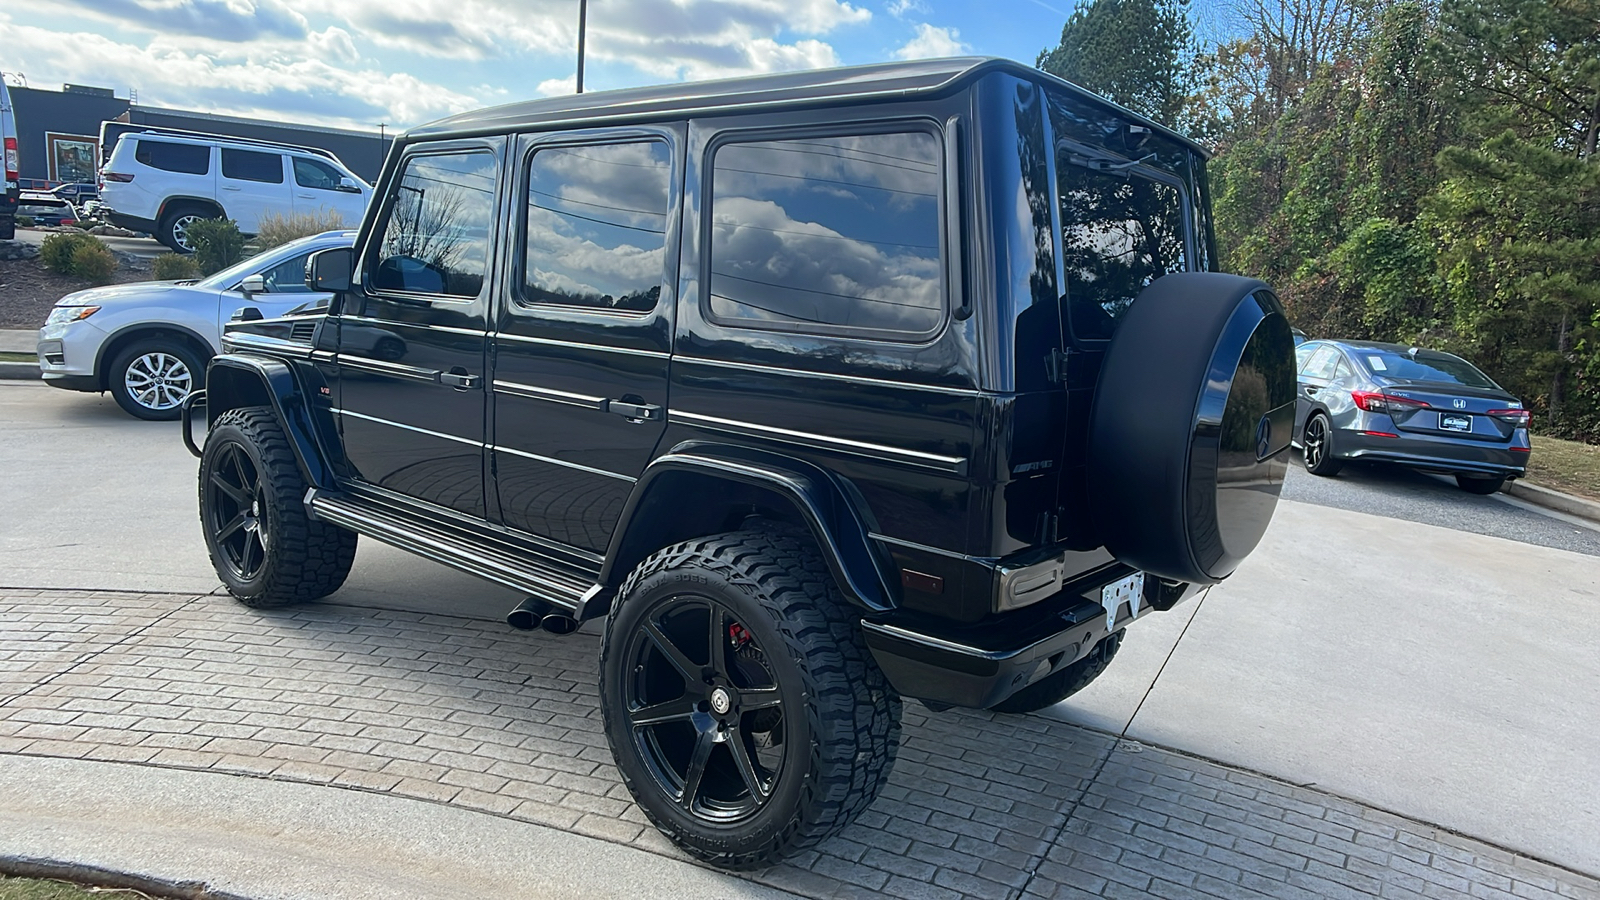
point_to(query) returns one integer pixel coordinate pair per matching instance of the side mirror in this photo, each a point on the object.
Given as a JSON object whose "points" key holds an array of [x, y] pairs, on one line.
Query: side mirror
{"points": [[329, 270], [349, 186], [253, 284]]}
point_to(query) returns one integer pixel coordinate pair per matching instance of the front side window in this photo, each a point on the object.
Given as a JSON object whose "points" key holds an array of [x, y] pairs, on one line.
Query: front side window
{"points": [[436, 239], [190, 159], [315, 174], [1119, 232], [829, 235], [249, 165], [287, 277], [596, 226]]}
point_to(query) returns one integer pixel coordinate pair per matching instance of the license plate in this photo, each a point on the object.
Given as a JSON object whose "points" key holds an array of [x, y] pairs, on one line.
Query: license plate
{"points": [[1127, 592], [1450, 422]]}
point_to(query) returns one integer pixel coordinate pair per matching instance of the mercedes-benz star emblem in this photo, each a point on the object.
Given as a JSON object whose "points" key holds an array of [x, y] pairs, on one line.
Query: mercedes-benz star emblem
{"points": [[1263, 437], [721, 702]]}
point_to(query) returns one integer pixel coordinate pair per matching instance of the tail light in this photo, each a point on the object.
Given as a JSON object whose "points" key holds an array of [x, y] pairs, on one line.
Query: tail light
{"points": [[118, 177], [1389, 404], [11, 159], [1517, 417]]}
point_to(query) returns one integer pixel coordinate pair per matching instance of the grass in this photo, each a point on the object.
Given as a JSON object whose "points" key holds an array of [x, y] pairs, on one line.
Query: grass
{"points": [[7, 356], [1565, 466], [42, 889]]}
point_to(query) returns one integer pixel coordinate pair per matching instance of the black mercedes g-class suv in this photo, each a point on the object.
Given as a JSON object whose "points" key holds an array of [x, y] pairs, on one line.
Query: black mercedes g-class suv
{"points": [[825, 388]]}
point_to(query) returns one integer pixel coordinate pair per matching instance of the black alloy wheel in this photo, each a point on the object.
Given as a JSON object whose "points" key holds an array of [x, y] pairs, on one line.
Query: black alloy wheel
{"points": [[1317, 447], [234, 520], [743, 708]]}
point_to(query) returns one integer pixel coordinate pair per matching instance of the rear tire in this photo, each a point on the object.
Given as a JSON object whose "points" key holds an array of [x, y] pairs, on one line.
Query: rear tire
{"points": [[1475, 485], [8, 228], [793, 725], [1058, 686], [151, 378], [1317, 447], [175, 226], [264, 547]]}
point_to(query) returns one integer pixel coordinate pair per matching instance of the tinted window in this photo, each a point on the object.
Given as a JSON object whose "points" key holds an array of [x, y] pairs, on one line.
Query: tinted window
{"points": [[437, 236], [248, 165], [287, 277], [1343, 371], [311, 173], [1119, 232], [1426, 365], [828, 234], [597, 225], [190, 159], [1321, 364]]}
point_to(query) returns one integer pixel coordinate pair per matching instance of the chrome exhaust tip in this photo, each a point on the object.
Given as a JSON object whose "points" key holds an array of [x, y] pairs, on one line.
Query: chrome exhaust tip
{"points": [[526, 615]]}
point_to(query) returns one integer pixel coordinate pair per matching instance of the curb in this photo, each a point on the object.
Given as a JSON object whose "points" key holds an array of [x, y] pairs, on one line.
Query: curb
{"points": [[1556, 500], [24, 371]]}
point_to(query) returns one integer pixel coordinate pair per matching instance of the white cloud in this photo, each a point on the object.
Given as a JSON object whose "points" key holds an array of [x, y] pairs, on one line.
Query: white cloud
{"points": [[932, 42], [222, 20], [556, 87], [899, 8]]}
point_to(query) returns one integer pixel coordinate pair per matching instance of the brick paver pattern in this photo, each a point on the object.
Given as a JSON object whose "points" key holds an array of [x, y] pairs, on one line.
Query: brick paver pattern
{"points": [[476, 715]]}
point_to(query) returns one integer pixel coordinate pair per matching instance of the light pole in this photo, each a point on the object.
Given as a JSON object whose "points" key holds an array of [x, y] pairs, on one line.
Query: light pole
{"points": [[583, 17]]}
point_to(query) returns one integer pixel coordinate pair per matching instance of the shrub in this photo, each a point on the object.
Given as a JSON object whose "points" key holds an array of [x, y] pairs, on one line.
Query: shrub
{"points": [[174, 267], [217, 244], [57, 250], [24, 221], [93, 262], [277, 229]]}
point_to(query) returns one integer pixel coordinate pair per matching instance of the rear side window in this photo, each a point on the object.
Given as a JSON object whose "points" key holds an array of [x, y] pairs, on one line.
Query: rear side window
{"points": [[315, 174], [1119, 232], [832, 235], [1321, 364], [596, 226], [436, 239], [190, 159], [249, 165]]}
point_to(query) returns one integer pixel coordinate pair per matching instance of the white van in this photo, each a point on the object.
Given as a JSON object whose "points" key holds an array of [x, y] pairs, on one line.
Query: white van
{"points": [[13, 184], [162, 181]]}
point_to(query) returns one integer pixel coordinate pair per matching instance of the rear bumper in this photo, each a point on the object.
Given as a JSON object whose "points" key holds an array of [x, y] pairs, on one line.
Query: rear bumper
{"points": [[132, 223], [980, 665], [1436, 454]]}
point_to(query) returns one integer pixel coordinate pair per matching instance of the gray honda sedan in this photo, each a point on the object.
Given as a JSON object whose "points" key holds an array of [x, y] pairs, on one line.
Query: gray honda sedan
{"points": [[1420, 408]]}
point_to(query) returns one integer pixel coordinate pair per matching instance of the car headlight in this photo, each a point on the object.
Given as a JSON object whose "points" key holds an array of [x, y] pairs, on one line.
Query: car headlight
{"points": [[64, 314]]}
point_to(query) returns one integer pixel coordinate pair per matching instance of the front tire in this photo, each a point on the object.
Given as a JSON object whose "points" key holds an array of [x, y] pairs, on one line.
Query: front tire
{"points": [[264, 547], [1473, 484], [1317, 447], [151, 379], [1058, 686], [744, 711]]}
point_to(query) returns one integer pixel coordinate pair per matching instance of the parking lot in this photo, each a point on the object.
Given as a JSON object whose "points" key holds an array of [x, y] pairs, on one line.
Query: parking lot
{"points": [[1395, 696]]}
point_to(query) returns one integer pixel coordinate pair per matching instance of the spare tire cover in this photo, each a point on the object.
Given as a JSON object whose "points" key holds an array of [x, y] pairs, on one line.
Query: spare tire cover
{"points": [[1190, 426]]}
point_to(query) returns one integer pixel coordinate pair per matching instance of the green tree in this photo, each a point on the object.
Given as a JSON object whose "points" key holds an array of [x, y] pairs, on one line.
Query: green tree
{"points": [[1139, 53]]}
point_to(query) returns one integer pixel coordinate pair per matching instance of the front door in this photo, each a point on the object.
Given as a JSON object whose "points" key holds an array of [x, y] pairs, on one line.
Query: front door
{"points": [[582, 337], [412, 334]]}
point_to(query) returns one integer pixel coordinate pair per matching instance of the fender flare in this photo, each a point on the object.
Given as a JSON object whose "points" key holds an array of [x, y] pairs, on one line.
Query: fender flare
{"points": [[234, 381], [827, 505]]}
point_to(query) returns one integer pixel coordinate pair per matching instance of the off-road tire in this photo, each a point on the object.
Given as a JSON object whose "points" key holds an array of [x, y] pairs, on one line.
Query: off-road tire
{"points": [[303, 560], [1326, 464], [1473, 484], [1058, 686], [116, 375], [842, 718]]}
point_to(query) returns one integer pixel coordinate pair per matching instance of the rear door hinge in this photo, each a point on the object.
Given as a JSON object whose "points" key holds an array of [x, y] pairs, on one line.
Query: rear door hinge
{"points": [[1055, 365]]}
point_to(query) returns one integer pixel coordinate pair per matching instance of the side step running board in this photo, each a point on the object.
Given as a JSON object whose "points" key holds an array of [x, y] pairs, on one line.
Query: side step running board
{"points": [[568, 591]]}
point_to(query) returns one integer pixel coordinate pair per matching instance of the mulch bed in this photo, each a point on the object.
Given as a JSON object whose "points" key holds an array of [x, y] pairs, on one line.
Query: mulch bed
{"points": [[28, 290]]}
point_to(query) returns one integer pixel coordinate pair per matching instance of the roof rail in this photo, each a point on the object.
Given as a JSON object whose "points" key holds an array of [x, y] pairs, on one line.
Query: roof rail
{"points": [[133, 128]]}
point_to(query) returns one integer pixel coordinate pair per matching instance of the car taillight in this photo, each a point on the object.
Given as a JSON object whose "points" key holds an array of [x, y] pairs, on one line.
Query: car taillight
{"points": [[1389, 404], [118, 177], [11, 159], [1517, 417]]}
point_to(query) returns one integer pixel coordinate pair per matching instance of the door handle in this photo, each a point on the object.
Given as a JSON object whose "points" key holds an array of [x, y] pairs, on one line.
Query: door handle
{"points": [[229, 187], [644, 412], [1311, 392], [460, 380]]}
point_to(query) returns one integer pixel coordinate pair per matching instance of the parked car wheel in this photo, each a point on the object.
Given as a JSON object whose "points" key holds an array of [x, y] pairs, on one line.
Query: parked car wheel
{"points": [[8, 228], [1058, 686], [151, 378], [1474, 484], [1317, 447], [264, 547], [745, 713], [175, 228]]}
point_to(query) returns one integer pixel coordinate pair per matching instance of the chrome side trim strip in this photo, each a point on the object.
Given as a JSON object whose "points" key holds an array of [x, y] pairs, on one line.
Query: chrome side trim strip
{"points": [[561, 462], [552, 342], [384, 323], [550, 394], [430, 376], [936, 643], [266, 344], [438, 434], [953, 464], [913, 545], [850, 379]]}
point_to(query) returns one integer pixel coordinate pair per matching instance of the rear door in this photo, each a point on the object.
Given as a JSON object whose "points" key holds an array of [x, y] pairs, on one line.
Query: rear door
{"points": [[251, 184], [1312, 381], [582, 338]]}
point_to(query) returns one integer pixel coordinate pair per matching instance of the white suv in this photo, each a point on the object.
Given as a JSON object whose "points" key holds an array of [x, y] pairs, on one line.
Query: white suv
{"points": [[164, 181]]}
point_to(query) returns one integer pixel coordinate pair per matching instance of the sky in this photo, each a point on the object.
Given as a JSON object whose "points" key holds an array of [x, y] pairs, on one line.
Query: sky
{"points": [[359, 63]]}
